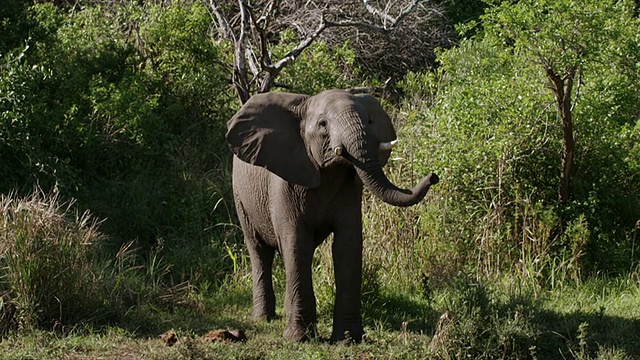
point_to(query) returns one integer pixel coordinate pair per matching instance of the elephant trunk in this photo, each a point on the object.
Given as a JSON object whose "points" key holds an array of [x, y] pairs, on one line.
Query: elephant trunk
{"points": [[375, 180], [364, 155]]}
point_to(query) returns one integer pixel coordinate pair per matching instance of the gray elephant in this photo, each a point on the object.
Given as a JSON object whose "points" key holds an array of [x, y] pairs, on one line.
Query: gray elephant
{"points": [[299, 167]]}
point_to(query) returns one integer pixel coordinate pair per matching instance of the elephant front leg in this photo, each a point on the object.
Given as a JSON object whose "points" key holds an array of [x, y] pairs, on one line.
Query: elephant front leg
{"points": [[300, 301], [347, 262]]}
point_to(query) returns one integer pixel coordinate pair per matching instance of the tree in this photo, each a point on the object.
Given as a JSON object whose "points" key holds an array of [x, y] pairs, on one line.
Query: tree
{"points": [[562, 36], [253, 28], [534, 124], [14, 25]]}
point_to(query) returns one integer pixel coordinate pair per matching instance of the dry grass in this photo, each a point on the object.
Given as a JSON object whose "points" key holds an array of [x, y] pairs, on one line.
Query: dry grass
{"points": [[45, 261]]}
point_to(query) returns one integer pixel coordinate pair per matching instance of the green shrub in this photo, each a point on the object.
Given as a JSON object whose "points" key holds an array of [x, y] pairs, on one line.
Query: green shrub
{"points": [[55, 272], [477, 325], [123, 107], [486, 122], [319, 68]]}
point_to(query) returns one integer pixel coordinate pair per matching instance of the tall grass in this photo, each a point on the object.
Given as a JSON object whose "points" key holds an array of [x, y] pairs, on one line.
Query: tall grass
{"points": [[56, 271], [46, 252]]}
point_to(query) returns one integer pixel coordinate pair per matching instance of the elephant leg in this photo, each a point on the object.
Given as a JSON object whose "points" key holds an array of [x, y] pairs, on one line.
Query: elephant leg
{"points": [[261, 255], [264, 299], [347, 262], [300, 301]]}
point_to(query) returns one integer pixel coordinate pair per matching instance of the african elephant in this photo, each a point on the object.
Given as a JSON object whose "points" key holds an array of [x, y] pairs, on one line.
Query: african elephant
{"points": [[299, 168]]}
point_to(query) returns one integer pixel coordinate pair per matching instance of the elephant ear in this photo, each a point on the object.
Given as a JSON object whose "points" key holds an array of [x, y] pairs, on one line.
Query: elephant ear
{"points": [[266, 132]]}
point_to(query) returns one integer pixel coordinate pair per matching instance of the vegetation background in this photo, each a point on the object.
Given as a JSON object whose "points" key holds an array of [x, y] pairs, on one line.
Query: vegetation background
{"points": [[116, 216]]}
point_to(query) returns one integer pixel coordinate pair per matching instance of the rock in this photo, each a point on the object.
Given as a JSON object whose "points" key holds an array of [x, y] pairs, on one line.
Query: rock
{"points": [[169, 338], [222, 335]]}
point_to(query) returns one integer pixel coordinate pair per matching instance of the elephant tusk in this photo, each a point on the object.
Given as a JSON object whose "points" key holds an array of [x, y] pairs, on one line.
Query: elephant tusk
{"points": [[338, 150], [388, 145]]}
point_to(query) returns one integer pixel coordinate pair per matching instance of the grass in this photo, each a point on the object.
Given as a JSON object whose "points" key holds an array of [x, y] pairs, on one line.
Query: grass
{"points": [[595, 320], [407, 314]]}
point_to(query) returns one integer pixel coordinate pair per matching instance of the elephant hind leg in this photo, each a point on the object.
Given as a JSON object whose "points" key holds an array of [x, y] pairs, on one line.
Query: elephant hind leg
{"points": [[264, 299], [261, 255]]}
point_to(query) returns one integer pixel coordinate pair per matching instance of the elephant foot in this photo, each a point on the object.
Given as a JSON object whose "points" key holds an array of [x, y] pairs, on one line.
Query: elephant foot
{"points": [[300, 333], [347, 337]]}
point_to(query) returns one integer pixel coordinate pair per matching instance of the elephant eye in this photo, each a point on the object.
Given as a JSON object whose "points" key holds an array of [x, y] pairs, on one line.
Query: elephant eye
{"points": [[322, 123]]}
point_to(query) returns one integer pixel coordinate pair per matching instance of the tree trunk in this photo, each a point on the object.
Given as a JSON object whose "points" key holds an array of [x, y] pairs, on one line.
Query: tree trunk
{"points": [[240, 77], [562, 87]]}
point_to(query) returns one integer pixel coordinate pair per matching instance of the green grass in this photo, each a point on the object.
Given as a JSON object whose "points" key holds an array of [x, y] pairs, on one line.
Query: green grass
{"points": [[595, 320], [118, 307]]}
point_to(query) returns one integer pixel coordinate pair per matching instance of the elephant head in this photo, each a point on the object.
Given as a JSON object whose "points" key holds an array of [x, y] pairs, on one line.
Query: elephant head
{"points": [[296, 136]]}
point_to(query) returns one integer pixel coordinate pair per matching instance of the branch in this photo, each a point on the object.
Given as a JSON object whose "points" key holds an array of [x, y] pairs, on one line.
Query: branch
{"points": [[240, 80], [386, 17], [273, 70], [17, 58], [253, 64], [358, 24], [251, 29], [377, 12], [268, 13], [406, 12], [291, 56], [223, 23], [260, 37], [382, 92]]}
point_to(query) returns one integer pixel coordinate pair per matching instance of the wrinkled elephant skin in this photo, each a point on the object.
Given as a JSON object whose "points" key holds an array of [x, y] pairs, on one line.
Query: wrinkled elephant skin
{"points": [[299, 168]]}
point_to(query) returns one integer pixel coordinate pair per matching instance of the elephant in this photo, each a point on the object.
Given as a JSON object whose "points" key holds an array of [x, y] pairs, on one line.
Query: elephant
{"points": [[299, 167]]}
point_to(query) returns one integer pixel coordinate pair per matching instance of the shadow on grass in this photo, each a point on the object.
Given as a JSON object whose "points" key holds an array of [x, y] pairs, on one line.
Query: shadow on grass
{"points": [[502, 325], [392, 311], [518, 326], [228, 308], [565, 335]]}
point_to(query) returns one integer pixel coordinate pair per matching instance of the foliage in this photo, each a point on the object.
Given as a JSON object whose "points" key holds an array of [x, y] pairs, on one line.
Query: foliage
{"points": [[464, 11], [319, 69], [123, 108], [486, 121], [478, 326], [387, 38], [14, 26]]}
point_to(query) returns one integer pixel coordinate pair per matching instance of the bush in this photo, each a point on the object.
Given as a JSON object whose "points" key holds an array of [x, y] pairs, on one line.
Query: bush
{"points": [[46, 267], [476, 325], [55, 272], [319, 68], [123, 107], [487, 122]]}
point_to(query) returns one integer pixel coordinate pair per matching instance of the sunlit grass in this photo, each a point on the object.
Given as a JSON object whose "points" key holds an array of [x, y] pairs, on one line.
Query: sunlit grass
{"points": [[482, 321]]}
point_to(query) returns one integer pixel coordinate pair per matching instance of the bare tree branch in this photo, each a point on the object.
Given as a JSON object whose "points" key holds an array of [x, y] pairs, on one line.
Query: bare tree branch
{"points": [[253, 64], [274, 70], [383, 91], [385, 15], [358, 24], [268, 13], [390, 37], [223, 23], [291, 56], [240, 80]]}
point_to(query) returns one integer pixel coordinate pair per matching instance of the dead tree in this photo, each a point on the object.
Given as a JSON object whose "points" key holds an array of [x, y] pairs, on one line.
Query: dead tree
{"points": [[252, 27]]}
